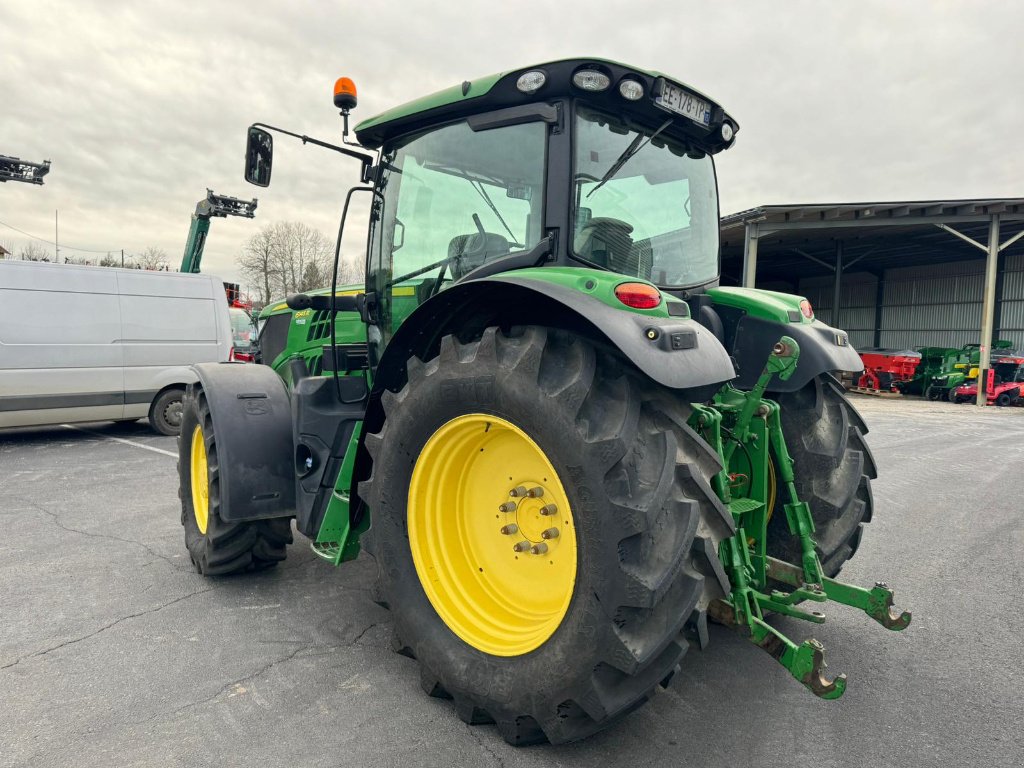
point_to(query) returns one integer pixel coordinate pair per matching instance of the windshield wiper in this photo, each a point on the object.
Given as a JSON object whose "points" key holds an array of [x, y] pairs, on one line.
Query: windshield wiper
{"points": [[634, 147], [479, 187]]}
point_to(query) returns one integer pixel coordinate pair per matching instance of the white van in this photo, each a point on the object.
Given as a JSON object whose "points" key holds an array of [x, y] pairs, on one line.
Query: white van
{"points": [[95, 343]]}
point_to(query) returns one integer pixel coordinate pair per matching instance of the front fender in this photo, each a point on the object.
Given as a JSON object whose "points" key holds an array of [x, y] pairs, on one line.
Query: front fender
{"points": [[755, 320], [822, 349], [252, 429]]}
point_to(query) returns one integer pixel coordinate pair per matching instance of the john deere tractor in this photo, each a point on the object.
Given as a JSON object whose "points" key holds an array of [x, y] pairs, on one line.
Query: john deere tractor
{"points": [[564, 444]]}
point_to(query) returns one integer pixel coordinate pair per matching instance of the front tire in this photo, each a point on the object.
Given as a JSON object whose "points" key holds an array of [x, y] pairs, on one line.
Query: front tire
{"points": [[216, 547], [560, 643], [833, 468]]}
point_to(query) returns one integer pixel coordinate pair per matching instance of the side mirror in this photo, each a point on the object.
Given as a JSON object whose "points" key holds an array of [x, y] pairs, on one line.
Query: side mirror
{"points": [[259, 157]]}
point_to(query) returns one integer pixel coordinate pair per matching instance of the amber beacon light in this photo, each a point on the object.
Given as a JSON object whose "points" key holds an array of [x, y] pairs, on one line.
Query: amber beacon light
{"points": [[344, 93]]}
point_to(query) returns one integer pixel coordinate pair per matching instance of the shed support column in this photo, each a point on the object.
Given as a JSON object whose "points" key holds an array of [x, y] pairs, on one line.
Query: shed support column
{"points": [[988, 308], [836, 286], [879, 300], [750, 256]]}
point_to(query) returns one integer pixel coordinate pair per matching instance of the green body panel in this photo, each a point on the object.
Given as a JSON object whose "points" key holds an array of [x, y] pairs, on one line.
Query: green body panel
{"points": [[338, 540], [443, 98], [473, 89], [309, 330], [767, 305], [598, 284]]}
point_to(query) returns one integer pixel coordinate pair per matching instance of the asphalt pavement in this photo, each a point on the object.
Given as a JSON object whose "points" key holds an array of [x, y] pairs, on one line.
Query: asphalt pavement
{"points": [[114, 652]]}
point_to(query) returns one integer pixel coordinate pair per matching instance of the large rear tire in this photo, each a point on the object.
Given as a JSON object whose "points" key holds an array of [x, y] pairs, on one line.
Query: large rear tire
{"points": [[833, 468], [218, 548], [560, 641]]}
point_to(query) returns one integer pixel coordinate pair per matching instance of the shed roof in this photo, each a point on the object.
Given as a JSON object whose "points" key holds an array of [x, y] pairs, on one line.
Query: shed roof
{"points": [[875, 235]]}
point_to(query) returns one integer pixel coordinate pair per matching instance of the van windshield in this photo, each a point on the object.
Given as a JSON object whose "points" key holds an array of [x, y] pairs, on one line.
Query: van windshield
{"points": [[242, 331]]}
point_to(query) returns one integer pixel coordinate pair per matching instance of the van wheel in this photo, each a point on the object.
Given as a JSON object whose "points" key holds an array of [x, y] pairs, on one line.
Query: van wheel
{"points": [[165, 412]]}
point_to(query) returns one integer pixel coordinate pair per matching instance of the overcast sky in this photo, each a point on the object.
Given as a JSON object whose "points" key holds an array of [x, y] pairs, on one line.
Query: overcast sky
{"points": [[141, 107]]}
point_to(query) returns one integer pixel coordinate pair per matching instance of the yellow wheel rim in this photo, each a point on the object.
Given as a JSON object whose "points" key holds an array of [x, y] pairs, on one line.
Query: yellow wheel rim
{"points": [[200, 481], [492, 535]]}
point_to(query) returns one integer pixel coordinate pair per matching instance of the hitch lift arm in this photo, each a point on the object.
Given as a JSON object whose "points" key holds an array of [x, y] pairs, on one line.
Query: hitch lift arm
{"points": [[745, 427]]}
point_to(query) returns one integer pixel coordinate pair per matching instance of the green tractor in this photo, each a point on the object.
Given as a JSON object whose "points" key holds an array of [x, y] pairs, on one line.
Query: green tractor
{"points": [[958, 366], [564, 444]]}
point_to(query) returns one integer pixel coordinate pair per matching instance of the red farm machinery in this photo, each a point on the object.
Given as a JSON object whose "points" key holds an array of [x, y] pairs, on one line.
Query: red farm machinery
{"points": [[885, 369]]}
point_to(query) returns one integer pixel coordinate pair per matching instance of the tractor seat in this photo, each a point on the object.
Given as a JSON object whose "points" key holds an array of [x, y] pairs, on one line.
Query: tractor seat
{"points": [[467, 252], [607, 243]]}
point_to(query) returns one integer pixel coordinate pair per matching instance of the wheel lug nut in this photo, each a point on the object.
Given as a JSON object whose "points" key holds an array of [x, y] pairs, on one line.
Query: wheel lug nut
{"points": [[535, 493], [549, 509], [521, 546], [509, 529], [539, 549], [550, 533], [518, 492], [508, 506]]}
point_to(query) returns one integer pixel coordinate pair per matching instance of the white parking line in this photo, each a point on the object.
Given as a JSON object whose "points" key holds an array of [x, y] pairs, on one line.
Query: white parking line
{"points": [[172, 454]]}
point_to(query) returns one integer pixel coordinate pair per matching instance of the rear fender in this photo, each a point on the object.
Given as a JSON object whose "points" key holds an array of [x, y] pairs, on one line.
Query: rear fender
{"points": [[699, 365], [674, 351], [252, 427]]}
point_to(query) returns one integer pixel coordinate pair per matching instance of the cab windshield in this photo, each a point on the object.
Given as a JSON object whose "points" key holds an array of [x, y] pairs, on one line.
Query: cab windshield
{"points": [[643, 206]]}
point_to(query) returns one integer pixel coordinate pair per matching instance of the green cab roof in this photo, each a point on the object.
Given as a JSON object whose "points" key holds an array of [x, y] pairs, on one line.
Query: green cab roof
{"points": [[499, 90]]}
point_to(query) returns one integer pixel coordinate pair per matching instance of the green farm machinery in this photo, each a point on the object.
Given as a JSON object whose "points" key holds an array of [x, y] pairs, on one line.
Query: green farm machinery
{"points": [[957, 367], [943, 369], [564, 444]]}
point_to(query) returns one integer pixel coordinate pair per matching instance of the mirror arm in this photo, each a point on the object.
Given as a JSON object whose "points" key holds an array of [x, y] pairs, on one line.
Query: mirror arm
{"points": [[365, 159]]}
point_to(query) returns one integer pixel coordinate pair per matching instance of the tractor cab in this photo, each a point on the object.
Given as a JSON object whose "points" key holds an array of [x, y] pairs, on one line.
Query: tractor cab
{"points": [[578, 164]]}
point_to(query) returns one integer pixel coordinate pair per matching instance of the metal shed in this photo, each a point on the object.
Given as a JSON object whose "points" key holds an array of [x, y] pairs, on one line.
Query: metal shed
{"points": [[892, 274]]}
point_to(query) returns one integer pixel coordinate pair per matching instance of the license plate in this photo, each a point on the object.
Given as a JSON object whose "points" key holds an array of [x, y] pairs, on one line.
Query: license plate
{"points": [[677, 100]]}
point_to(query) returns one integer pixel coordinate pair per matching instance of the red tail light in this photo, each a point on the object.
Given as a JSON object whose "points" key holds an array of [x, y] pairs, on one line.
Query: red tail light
{"points": [[231, 355], [806, 310], [638, 295]]}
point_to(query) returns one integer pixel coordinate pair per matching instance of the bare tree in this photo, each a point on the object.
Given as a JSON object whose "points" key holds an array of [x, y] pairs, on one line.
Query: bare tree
{"points": [[286, 257], [153, 258], [34, 252], [302, 254], [259, 264], [350, 272]]}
